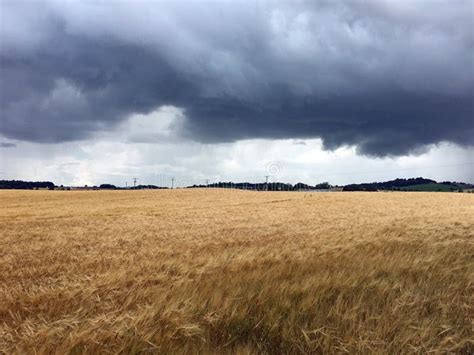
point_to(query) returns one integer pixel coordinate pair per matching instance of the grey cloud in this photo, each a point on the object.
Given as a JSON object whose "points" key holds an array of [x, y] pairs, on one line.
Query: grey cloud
{"points": [[7, 145], [388, 77]]}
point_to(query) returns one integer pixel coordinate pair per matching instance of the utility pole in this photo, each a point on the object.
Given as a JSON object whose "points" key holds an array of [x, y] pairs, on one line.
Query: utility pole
{"points": [[126, 185], [207, 183], [172, 182], [135, 182], [266, 182]]}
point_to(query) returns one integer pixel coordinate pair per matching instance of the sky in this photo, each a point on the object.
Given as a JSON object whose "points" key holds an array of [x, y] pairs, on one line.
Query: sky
{"points": [[98, 92]]}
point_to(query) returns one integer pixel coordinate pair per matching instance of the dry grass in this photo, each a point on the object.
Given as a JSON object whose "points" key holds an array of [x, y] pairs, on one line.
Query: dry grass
{"points": [[235, 272]]}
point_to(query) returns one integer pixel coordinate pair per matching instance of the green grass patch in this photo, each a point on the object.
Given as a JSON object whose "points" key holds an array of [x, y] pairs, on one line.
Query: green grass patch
{"points": [[431, 187]]}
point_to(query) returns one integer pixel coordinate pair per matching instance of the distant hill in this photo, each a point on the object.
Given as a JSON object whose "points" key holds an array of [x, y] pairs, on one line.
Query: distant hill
{"points": [[412, 184]]}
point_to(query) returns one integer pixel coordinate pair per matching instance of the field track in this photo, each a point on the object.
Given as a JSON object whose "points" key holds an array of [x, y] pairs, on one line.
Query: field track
{"points": [[215, 271]]}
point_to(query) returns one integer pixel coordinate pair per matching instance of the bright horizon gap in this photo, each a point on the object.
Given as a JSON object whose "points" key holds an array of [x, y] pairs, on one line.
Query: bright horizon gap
{"points": [[290, 161]]}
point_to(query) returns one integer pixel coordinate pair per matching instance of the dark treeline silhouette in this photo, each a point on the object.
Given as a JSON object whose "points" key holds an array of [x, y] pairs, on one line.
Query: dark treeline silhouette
{"points": [[147, 187], [412, 184], [108, 187], [405, 184], [138, 187], [388, 185], [271, 186], [26, 185]]}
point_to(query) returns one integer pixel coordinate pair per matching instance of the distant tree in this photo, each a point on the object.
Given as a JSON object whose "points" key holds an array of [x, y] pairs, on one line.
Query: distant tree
{"points": [[302, 186], [323, 186], [108, 186]]}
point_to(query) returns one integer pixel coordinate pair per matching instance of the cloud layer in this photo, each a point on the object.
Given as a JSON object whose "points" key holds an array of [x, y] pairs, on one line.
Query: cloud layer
{"points": [[388, 77]]}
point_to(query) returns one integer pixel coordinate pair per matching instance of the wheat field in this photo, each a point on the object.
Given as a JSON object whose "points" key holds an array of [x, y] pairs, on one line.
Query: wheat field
{"points": [[227, 271]]}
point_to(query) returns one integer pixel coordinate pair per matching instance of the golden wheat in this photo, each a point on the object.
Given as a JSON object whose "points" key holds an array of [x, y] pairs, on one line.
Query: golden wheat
{"points": [[215, 271]]}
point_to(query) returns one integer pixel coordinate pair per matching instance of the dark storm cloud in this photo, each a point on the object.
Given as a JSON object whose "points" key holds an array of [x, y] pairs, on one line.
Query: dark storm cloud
{"points": [[82, 85], [389, 77]]}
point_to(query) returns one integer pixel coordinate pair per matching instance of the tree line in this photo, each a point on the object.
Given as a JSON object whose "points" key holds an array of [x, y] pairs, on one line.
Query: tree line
{"points": [[397, 185]]}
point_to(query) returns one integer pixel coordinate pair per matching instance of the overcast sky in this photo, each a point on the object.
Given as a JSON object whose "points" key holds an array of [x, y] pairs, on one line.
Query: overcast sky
{"points": [[338, 91]]}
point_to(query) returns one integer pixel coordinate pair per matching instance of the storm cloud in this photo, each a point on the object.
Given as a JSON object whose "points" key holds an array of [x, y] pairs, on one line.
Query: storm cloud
{"points": [[387, 77]]}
